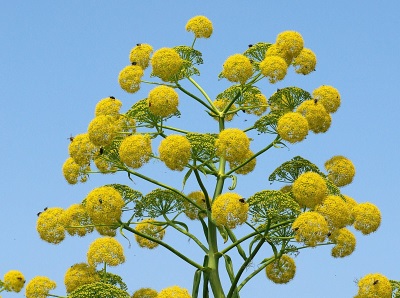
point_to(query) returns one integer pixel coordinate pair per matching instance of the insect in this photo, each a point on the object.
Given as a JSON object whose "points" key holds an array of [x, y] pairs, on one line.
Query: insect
{"points": [[71, 138], [39, 213], [134, 63], [241, 200], [295, 229], [45, 208], [250, 45], [376, 281], [100, 201], [112, 97], [315, 100], [138, 44], [149, 104], [101, 150], [277, 90]]}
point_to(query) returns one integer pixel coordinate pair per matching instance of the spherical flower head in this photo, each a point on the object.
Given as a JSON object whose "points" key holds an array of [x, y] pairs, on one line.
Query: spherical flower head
{"points": [[163, 101], [76, 220], [108, 106], [274, 68], [102, 130], [78, 275], [98, 290], [237, 68], [336, 211], [374, 285], [81, 149], [135, 150], [248, 167], [106, 230], [351, 203], [310, 228], [166, 64], [309, 189], [319, 120], [345, 243], [367, 218], [72, 171], [257, 106], [221, 104], [141, 55], [150, 228], [175, 292], [341, 170], [230, 210], [281, 271], [191, 211], [105, 250], [274, 50], [290, 42], [305, 62], [129, 78], [292, 127], [328, 96], [104, 205], [232, 144], [39, 287], [50, 225], [200, 26], [14, 281], [175, 152], [104, 166], [145, 293]]}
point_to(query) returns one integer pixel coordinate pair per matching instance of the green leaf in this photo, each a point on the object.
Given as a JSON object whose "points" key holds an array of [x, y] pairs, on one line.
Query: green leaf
{"points": [[288, 99], [161, 202], [130, 195], [187, 175], [196, 283], [223, 233], [190, 58], [257, 51], [267, 123]]}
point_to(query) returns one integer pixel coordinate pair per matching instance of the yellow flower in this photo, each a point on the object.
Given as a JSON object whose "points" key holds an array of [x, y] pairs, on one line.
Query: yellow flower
{"points": [[135, 150], [309, 189], [341, 170], [50, 225], [281, 271], [104, 165], [336, 211], [319, 120], [149, 228], [310, 228], [104, 205], [72, 171], [78, 275], [166, 63], [106, 230], [305, 62], [257, 106], [273, 50], [192, 212], [232, 144], [163, 101], [81, 149], [105, 250], [247, 168], [102, 130], [374, 285], [108, 106], [290, 42], [98, 290], [200, 26], [74, 219], [175, 152], [175, 292], [14, 281], [328, 96], [274, 68], [129, 78], [292, 127], [230, 210], [237, 68], [345, 243], [39, 287], [141, 55], [351, 203], [367, 218], [221, 104], [145, 293]]}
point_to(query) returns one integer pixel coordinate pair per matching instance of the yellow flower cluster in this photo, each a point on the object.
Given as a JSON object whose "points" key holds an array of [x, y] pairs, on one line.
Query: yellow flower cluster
{"points": [[145, 293], [328, 96], [76, 220], [341, 170], [200, 26], [221, 104], [102, 130], [282, 270], [175, 152], [232, 144], [367, 218], [274, 68], [148, 227], [257, 106], [135, 150], [72, 171], [129, 78], [345, 243], [166, 64], [14, 281], [374, 285], [99, 290], [163, 101], [309, 189], [39, 287], [191, 211], [248, 167], [336, 211], [50, 225], [141, 55], [237, 68], [310, 228], [319, 120], [78, 275], [305, 62], [108, 106], [174, 291], [290, 42], [230, 210], [104, 166], [81, 149], [274, 50], [292, 127], [105, 250]]}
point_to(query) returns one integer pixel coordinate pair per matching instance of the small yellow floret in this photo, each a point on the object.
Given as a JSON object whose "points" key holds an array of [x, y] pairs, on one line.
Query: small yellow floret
{"points": [[39, 287], [341, 170], [200, 26], [141, 55], [163, 101], [310, 228], [273, 50], [166, 63], [257, 105], [174, 292], [50, 225], [319, 120], [135, 150], [309, 189], [292, 127], [328, 96], [305, 62], [274, 68], [78, 275], [148, 227], [232, 144], [367, 218], [290, 42], [237, 68], [374, 285], [175, 152], [105, 250], [230, 210], [14, 281], [248, 167], [281, 271], [129, 78]]}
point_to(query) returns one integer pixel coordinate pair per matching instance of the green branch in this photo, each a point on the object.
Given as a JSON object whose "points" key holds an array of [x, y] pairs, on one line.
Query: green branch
{"points": [[194, 97]]}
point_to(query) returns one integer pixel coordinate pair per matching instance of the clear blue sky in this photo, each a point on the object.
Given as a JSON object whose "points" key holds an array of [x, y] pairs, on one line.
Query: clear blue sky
{"points": [[59, 58]]}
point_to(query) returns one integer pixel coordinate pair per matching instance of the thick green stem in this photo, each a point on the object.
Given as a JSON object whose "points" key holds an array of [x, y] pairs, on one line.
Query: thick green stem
{"points": [[195, 97], [203, 92]]}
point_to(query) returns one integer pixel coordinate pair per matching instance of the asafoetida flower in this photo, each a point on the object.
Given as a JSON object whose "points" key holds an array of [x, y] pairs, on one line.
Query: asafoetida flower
{"points": [[76, 220], [175, 152], [336, 211], [309, 189], [257, 106], [248, 167], [50, 225], [290, 42], [135, 150], [237, 68], [230, 210], [148, 227], [374, 285], [305, 62], [319, 120], [328, 96], [367, 218], [274, 68], [191, 211], [174, 291], [129, 78], [281, 271], [163, 101], [232, 144], [14, 281], [292, 127], [145, 293], [78, 275], [39, 287], [108, 106], [310, 228], [345, 243], [273, 50], [166, 63], [200, 26], [140, 55], [105, 250], [102, 130], [72, 171], [341, 170], [81, 149]]}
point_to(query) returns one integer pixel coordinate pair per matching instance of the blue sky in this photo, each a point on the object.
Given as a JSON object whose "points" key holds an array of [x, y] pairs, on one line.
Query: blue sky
{"points": [[59, 58]]}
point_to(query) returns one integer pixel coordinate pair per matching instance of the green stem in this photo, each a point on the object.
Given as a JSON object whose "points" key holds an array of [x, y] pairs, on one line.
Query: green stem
{"points": [[203, 92], [200, 182], [255, 272], [176, 129], [155, 83], [194, 97]]}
